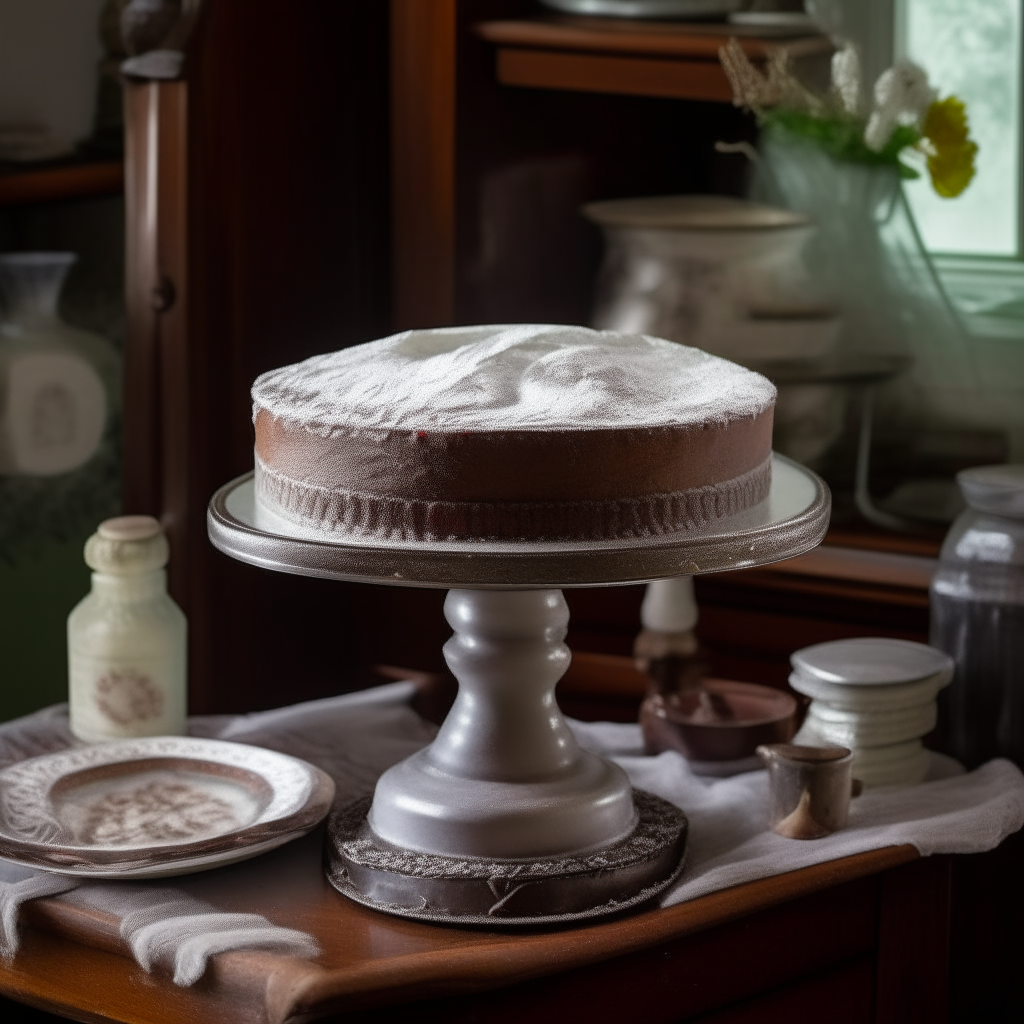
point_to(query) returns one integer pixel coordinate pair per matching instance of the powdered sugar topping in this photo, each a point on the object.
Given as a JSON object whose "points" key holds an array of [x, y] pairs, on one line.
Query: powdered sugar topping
{"points": [[512, 377]]}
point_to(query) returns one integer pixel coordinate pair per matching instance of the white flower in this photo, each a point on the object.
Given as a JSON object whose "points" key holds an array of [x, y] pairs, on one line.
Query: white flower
{"points": [[905, 88], [880, 126], [846, 77], [902, 95]]}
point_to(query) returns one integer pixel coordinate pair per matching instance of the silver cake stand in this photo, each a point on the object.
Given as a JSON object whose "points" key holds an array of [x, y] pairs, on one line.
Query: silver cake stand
{"points": [[504, 819]]}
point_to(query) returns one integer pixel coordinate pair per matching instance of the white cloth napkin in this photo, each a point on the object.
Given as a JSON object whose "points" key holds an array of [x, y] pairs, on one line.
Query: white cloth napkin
{"points": [[17, 886], [168, 929], [729, 841], [176, 925], [353, 738]]}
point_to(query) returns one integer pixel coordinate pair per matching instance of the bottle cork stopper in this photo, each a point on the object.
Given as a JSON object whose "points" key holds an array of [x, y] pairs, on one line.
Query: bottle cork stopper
{"points": [[669, 606], [127, 545], [129, 528]]}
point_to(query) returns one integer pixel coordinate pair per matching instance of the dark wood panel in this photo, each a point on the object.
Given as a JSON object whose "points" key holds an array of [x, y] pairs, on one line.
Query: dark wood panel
{"points": [[259, 198], [680, 979], [601, 687], [845, 995], [750, 622], [743, 641], [987, 940], [913, 944], [423, 61], [926, 541]]}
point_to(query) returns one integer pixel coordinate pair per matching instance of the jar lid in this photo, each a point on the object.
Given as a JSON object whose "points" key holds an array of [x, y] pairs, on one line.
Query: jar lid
{"points": [[871, 661], [998, 490], [692, 213], [127, 545]]}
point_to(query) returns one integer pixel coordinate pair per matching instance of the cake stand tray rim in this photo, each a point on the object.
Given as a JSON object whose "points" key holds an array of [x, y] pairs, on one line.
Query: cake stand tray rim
{"points": [[432, 566]]}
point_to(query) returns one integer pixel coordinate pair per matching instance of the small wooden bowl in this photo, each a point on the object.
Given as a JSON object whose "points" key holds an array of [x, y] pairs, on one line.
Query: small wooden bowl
{"points": [[681, 721]]}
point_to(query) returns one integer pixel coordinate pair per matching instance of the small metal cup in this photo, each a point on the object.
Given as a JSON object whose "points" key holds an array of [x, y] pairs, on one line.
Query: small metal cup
{"points": [[810, 788]]}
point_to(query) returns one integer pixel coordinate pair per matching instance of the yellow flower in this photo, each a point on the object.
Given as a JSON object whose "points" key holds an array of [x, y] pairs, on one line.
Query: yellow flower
{"points": [[945, 122], [949, 147]]}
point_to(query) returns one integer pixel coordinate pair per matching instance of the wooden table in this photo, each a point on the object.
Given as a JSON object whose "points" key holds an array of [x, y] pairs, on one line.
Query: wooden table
{"points": [[866, 936], [881, 936]]}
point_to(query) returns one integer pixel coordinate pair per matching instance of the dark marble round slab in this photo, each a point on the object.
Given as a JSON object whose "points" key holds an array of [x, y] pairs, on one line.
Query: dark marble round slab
{"points": [[507, 893]]}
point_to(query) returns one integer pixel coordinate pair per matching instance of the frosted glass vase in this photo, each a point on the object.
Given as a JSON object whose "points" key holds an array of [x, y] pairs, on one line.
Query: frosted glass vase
{"points": [[932, 418], [58, 384], [868, 258]]}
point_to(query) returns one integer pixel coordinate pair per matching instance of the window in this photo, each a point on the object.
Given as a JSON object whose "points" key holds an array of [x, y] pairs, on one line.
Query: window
{"points": [[972, 48]]}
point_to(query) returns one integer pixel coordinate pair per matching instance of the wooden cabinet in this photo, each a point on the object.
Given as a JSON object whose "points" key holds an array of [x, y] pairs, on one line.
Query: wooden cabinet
{"points": [[318, 174], [317, 178], [500, 133]]}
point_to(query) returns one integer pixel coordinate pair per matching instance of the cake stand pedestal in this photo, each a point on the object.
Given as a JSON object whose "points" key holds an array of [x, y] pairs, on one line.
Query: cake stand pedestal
{"points": [[504, 819]]}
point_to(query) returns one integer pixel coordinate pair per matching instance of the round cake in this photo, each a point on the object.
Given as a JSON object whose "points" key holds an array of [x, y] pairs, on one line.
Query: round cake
{"points": [[511, 433]]}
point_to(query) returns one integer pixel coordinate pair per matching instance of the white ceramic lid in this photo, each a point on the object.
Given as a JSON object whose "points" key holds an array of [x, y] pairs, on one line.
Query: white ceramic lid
{"points": [[871, 661], [692, 213], [998, 490]]}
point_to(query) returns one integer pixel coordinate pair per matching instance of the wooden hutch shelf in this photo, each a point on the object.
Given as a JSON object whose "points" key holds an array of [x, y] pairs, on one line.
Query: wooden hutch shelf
{"points": [[49, 184], [662, 59]]}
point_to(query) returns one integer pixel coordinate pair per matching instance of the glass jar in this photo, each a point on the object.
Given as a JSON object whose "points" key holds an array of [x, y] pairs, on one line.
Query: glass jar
{"points": [[977, 616]]}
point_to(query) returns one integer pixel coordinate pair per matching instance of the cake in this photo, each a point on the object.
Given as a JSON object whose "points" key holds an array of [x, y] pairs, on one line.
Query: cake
{"points": [[511, 433]]}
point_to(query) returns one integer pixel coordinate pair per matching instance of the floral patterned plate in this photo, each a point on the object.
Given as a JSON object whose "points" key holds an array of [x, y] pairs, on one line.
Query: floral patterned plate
{"points": [[154, 807]]}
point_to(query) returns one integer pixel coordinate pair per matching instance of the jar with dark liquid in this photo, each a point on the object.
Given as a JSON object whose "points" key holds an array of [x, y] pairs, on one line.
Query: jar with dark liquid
{"points": [[977, 617]]}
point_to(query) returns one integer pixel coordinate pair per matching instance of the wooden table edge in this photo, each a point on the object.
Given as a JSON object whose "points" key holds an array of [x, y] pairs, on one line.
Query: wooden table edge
{"points": [[524, 957], [231, 973], [302, 990]]}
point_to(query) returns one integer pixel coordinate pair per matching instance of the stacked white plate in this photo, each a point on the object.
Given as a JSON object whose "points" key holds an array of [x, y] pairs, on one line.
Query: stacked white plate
{"points": [[875, 696]]}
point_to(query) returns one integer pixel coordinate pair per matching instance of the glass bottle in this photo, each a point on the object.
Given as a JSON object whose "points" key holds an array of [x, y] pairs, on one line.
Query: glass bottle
{"points": [[668, 652], [667, 649], [977, 616], [127, 638], [58, 384]]}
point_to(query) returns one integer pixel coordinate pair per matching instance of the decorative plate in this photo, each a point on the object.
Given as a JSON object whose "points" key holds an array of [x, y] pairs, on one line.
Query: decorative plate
{"points": [[154, 807]]}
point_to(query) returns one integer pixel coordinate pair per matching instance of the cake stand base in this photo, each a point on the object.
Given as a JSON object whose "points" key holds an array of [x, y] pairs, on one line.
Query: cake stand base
{"points": [[504, 819], [507, 892]]}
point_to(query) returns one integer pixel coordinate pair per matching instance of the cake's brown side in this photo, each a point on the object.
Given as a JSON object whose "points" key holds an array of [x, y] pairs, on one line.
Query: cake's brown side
{"points": [[516, 465], [513, 485]]}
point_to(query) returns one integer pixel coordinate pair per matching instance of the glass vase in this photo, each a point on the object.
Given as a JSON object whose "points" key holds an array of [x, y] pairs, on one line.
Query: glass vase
{"points": [[59, 414], [58, 383], [929, 420]]}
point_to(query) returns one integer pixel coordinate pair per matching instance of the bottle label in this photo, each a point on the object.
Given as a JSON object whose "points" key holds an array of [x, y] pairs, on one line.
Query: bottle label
{"points": [[132, 698]]}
